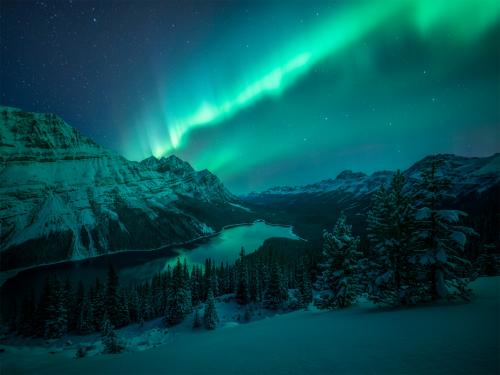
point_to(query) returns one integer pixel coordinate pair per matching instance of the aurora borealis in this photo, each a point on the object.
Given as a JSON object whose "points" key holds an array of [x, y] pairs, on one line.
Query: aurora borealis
{"points": [[264, 93]]}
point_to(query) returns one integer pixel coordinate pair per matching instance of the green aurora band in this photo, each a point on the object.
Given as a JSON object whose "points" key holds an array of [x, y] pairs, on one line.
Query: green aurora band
{"points": [[465, 18]]}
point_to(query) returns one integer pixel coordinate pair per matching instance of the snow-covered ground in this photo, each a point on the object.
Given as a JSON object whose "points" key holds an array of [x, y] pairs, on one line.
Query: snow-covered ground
{"points": [[452, 338]]}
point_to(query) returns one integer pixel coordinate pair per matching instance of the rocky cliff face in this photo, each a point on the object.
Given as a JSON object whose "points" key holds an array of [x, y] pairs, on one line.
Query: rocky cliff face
{"points": [[62, 196]]}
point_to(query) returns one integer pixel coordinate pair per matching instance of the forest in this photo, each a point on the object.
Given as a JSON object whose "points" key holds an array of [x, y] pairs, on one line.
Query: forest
{"points": [[415, 256]]}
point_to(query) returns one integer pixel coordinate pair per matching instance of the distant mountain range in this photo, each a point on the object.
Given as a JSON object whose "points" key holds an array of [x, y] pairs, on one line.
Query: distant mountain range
{"points": [[62, 196], [475, 184]]}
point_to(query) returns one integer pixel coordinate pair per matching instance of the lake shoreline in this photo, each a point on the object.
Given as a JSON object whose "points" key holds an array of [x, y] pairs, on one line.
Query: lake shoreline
{"points": [[9, 274]]}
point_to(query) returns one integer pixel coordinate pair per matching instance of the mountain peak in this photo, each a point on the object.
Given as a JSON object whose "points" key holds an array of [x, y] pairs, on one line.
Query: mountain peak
{"points": [[348, 174]]}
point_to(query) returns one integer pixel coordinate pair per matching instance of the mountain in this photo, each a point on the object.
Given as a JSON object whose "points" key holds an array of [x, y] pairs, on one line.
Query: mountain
{"points": [[475, 186], [62, 196]]}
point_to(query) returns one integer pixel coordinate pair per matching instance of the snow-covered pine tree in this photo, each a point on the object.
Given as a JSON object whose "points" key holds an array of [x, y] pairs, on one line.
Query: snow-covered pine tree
{"points": [[392, 270], [210, 317], [276, 292], [441, 238], [179, 297], [339, 273], [242, 289], [109, 338], [304, 286], [196, 283]]}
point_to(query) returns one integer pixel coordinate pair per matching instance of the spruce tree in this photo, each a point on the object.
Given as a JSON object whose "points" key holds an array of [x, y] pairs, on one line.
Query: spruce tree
{"points": [[340, 276], [85, 318], [179, 297], [113, 298], [242, 289], [210, 317], [441, 240], [109, 338], [276, 293], [56, 314], [393, 269], [97, 300], [304, 285]]}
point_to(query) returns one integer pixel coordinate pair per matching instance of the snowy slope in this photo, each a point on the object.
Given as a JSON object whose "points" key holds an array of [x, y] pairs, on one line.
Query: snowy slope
{"points": [[436, 339], [62, 196]]}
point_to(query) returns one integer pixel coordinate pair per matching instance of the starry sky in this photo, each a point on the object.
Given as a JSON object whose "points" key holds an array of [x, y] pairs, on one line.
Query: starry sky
{"points": [[262, 93]]}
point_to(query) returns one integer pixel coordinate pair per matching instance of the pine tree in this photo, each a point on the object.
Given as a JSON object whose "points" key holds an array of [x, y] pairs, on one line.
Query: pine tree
{"points": [[276, 293], [56, 314], [110, 340], [43, 307], [179, 297], [242, 289], [85, 319], [210, 317], [393, 268], [123, 309], [304, 286], [97, 298], [340, 277], [441, 239], [76, 310], [113, 298]]}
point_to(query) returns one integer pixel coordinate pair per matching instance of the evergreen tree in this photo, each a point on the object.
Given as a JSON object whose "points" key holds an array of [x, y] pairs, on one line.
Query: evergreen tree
{"points": [[134, 305], [56, 314], [442, 239], [210, 317], [179, 297], [276, 293], [113, 298], [123, 309], [76, 310], [110, 340], [85, 319], [242, 289], [339, 270], [97, 298], [43, 307], [392, 269], [304, 285]]}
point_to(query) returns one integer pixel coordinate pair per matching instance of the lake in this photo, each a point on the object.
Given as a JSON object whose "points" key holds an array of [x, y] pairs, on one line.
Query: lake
{"points": [[135, 267]]}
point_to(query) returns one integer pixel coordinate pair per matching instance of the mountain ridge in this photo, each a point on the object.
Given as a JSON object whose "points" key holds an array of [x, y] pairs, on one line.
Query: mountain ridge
{"points": [[63, 196]]}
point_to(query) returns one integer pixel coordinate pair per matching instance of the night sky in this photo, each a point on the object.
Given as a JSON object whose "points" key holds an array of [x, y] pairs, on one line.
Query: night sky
{"points": [[262, 93]]}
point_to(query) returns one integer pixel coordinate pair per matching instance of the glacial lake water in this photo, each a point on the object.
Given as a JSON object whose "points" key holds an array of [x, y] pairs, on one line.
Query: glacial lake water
{"points": [[135, 267]]}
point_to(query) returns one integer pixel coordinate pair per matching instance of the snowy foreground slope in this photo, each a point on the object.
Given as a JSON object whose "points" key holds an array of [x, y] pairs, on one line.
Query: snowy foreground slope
{"points": [[62, 196], [437, 339]]}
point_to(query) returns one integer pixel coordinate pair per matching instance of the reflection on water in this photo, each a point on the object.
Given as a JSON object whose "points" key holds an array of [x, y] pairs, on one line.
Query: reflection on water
{"points": [[138, 266]]}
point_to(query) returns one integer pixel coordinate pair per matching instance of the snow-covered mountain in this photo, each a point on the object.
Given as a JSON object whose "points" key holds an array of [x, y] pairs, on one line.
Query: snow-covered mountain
{"points": [[475, 183], [466, 174], [62, 196]]}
